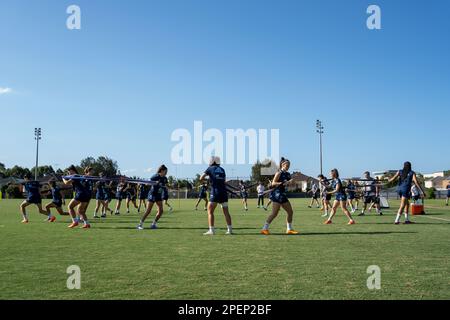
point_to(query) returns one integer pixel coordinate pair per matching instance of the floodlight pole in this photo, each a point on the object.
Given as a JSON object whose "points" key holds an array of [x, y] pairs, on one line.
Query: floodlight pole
{"points": [[319, 130], [37, 137]]}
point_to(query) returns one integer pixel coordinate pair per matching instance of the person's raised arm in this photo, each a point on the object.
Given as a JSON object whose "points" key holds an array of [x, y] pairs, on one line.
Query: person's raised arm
{"points": [[394, 177]]}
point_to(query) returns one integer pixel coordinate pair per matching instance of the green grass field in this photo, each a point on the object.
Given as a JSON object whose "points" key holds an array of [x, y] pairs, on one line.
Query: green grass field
{"points": [[178, 262]]}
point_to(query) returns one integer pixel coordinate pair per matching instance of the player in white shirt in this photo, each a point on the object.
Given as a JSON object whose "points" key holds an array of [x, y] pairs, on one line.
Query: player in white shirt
{"points": [[260, 190]]}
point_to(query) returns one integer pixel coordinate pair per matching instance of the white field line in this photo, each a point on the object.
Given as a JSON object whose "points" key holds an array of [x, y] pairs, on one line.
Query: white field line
{"points": [[434, 218]]}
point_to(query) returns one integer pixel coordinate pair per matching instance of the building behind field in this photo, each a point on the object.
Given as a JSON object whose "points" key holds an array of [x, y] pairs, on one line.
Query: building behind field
{"points": [[302, 181]]}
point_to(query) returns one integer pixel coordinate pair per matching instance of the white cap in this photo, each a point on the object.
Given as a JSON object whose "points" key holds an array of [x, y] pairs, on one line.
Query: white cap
{"points": [[214, 160]]}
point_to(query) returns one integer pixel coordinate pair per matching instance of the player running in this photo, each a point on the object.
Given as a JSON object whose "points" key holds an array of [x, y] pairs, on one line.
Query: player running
{"points": [[341, 198], [32, 189], [406, 177], [218, 194], [155, 195], [279, 198]]}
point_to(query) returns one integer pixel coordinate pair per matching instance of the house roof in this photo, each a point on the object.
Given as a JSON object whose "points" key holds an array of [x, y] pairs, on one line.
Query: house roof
{"points": [[298, 176]]}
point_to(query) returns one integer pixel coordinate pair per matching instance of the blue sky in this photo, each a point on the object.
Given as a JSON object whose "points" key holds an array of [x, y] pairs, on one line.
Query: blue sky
{"points": [[138, 70]]}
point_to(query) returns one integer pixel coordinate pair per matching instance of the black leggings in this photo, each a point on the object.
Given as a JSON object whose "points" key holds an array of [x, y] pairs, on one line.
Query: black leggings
{"points": [[260, 200]]}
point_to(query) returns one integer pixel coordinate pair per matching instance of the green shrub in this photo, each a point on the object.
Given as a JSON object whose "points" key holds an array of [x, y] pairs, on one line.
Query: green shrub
{"points": [[13, 192]]}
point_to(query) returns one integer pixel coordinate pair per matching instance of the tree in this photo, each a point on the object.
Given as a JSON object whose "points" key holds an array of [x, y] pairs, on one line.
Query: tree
{"points": [[13, 192], [102, 164], [44, 171], [257, 169], [17, 172], [2, 170]]}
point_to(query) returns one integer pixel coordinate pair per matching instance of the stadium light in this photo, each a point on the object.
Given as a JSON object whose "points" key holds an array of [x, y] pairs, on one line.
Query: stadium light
{"points": [[37, 137], [319, 130]]}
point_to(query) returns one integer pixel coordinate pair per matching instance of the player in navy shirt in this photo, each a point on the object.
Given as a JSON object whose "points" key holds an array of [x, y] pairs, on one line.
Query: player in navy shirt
{"points": [[341, 197], [155, 195], [83, 193], [218, 194], [101, 197], [244, 194], [33, 191], [406, 177], [279, 198], [57, 199], [121, 190], [202, 195], [165, 195], [143, 194], [351, 192], [131, 196]]}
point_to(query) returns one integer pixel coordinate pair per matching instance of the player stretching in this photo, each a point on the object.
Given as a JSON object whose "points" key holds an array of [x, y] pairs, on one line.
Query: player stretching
{"points": [[341, 198], [202, 196], [406, 178], [143, 194], [83, 190], [218, 194], [120, 194], [56, 199], [155, 195], [32, 188], [279, 198]]}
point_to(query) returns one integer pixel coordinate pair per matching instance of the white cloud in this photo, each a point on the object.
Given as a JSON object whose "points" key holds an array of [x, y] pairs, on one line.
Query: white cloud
{"points": [[149, 170], [5, 90]]}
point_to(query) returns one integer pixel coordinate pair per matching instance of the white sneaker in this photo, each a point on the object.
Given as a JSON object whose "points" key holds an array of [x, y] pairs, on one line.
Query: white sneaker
{"points": [[325, 215], [209, 233], [140, 227], [229, 232]]}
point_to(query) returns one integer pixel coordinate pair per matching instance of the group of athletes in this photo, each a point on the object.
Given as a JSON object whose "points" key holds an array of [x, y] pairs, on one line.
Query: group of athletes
{"points": [[155, 192]]}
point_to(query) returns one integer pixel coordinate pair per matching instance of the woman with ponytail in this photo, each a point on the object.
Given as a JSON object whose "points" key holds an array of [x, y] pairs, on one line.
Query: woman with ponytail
{"points": [[406, 178], [279, 198], [341, 198]]}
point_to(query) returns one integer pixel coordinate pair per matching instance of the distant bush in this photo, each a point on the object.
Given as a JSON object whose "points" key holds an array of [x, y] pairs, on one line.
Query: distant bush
{"points": [[13, 192], [430, 193]]}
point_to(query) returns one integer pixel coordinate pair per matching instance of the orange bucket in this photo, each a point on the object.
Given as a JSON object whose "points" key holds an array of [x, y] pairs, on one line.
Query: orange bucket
{"points": [[417, 209]]}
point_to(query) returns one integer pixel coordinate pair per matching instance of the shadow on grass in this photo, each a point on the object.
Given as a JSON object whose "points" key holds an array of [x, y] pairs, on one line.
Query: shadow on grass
{"points": [[272, 234]]}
